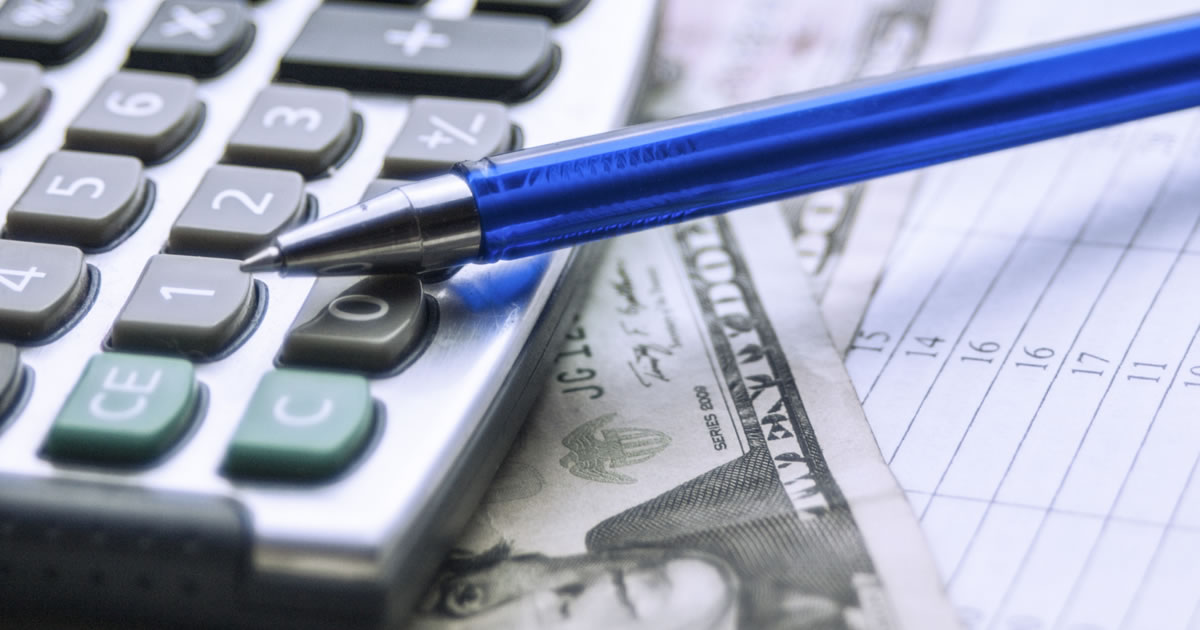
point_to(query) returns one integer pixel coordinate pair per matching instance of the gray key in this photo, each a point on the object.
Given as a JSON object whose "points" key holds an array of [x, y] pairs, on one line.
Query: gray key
{"points": [[369, 324], [200, 38], [442, 131], [41, 287], [557, 10], [22, 97], [148, 115], [84, 199], [49, 31], [10, 377], [237, 209], [186, 305], [402, 51], [299, 128], [379, 186]]}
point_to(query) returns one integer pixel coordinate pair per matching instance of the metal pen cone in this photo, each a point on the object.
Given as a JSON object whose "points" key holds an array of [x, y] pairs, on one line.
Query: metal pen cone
{"points": [[266, 259], [421, 226]]}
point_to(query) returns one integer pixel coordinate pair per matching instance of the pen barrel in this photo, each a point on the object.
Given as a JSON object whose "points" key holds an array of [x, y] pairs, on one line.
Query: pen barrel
{"points": [[553, 196]]}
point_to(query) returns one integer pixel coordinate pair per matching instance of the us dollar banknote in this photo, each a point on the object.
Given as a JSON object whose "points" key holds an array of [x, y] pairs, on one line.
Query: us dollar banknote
{"points": [[699, 460]]}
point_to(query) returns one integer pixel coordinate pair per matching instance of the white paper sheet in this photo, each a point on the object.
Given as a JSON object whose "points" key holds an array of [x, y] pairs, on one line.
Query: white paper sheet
{"points": [[1029, 363]]}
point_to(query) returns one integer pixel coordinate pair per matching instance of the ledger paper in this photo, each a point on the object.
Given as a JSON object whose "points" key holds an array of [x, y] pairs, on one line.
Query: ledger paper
{"points": [[1029, 364]]}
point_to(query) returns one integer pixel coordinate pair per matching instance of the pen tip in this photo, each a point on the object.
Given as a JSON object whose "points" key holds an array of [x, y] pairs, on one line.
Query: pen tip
{"points": [[265, 259]]}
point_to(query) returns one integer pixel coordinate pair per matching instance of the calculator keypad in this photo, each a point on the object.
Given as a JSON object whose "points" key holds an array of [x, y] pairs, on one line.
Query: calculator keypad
{"points": [[78, 198], [21, 97], [440, 132], [299, 128], [144, 99], [148, 115], [366, 324], [200, 38], [404, 52], [301, 425], [236, 209], [125, 409], [49, 31], [41, 286], [186, 305], [10, 377]]}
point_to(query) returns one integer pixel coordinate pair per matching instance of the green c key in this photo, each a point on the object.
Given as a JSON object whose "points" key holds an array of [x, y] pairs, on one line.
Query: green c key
{"points": [[125, 409], [301, 425]]}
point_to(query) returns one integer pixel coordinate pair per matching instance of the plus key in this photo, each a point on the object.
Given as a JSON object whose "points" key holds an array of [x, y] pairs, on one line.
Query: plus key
{"points": [[402, 51]]}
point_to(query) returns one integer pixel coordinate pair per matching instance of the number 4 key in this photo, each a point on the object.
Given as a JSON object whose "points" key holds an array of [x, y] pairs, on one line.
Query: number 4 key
{"points": [[41, 288]]}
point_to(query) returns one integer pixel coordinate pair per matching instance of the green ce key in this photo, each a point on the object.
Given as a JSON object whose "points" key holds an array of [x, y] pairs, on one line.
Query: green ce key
{"points": [[126, 409]]}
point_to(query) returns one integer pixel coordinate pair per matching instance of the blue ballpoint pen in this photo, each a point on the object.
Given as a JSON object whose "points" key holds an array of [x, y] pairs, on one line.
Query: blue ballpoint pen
{"points": [[554, 196]]}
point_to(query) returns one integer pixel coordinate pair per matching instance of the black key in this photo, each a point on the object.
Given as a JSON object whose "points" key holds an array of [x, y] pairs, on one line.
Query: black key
{"points": [[557, 10], [49, 31], [369, 324], [202, 39], [402, 51]]}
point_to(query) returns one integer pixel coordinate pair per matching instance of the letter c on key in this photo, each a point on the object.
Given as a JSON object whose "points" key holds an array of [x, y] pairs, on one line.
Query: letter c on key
{"points": [[282, 416], [97, 409]]}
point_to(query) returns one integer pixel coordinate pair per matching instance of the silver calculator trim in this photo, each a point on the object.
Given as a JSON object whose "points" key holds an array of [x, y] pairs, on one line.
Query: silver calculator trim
{"points": [[353, 529]]}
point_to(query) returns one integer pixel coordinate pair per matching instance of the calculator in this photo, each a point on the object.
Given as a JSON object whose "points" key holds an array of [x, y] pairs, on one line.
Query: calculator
{"points": [[182, 442]]}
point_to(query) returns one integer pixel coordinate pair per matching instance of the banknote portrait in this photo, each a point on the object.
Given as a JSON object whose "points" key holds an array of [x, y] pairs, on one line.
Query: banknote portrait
{"points": [[724, 550]]}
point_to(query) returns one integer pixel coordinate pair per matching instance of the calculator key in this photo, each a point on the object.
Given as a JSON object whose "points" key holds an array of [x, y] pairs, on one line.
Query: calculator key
{"points": [[369, 324], [84, 199], [49, 31], [440, 132], [379, 186], [22, 97], [301, 425], [11, 377], [402, 51], [202, 39], [557, 10], [125, 409], [41, 288], [299, 128], [148, 115], [236, 209], [186, 305]]}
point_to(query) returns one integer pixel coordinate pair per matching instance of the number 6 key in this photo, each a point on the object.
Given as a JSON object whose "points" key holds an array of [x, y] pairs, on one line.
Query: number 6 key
{"points": [[148, 115]]}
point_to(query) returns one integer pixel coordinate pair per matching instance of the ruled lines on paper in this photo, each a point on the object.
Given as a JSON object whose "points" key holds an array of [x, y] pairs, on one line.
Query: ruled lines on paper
{"points": [[1031, 370]]}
